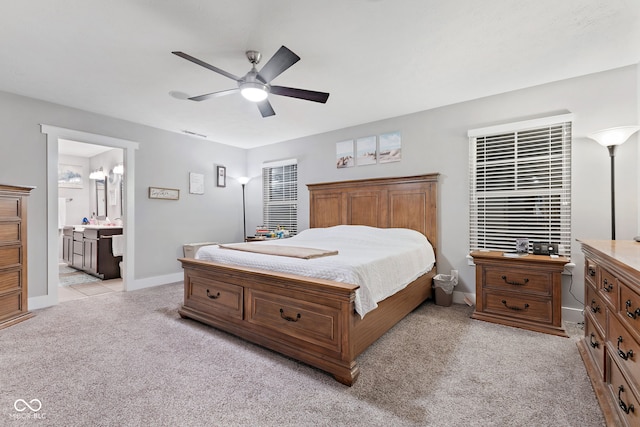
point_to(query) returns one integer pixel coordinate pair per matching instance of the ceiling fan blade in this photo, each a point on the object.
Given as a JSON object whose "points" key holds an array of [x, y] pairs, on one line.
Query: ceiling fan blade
{"points": [[308, 95], [265, 108], [279, 62], [205, 65], [214, 94]]}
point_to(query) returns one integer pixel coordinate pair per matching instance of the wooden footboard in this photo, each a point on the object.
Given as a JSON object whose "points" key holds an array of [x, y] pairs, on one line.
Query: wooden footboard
{"points": [[311, 320]]}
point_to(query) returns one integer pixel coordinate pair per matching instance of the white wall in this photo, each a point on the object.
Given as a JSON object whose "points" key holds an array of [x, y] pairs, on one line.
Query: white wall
{"points": [[436, 141]]}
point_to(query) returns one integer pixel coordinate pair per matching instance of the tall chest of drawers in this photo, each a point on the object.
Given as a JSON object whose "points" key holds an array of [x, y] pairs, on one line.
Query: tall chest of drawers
{"points": [[13, 254], [610, 347]]}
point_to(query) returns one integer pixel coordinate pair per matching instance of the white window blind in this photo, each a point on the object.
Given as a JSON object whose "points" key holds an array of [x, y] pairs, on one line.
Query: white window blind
{"points": [[280, 195], [520, 185]]}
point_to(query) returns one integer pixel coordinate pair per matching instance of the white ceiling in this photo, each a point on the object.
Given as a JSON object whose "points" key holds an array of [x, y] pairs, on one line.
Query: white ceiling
{"points": [[377, 58]]}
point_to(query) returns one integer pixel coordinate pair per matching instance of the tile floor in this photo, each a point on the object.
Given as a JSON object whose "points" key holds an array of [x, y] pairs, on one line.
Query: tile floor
{"points": [[86, 290]]}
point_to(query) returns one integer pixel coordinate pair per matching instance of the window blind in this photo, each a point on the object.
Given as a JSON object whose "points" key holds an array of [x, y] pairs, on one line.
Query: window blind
{"points": [[280, 196], [520, 186]]}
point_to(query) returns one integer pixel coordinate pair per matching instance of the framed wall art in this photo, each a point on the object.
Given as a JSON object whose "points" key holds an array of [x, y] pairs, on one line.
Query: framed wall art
{"points": [[366, 151], [221, 176], [70, 176], [344, 154], [196, 183], [390, 147], [164, 193]]}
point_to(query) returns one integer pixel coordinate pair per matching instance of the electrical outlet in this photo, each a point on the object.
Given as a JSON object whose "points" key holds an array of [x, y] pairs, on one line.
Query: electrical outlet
{"points": [[454, 274]]}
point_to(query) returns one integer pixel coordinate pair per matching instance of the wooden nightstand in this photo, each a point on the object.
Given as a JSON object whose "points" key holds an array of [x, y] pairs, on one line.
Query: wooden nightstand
{"points": [[525, 292]]}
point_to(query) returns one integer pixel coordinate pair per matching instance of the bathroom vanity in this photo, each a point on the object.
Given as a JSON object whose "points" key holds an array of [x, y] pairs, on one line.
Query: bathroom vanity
{"points": [[89, 248]]}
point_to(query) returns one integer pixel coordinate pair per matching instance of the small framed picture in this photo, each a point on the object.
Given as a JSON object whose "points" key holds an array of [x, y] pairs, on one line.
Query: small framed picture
{"points": [[522, 245], [221, 176], [344, 154], [164, 193]]}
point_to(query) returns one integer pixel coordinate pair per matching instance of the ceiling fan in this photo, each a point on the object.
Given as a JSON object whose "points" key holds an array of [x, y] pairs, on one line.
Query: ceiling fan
{"points": [[256, 85]]}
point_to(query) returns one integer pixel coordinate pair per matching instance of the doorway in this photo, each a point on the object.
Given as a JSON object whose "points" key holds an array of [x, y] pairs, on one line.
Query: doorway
{"points": [[91, 219], [53, 135]]}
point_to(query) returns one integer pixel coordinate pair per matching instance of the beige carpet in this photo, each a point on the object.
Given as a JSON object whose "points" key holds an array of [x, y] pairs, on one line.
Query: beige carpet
{"points": [[128, 359]]}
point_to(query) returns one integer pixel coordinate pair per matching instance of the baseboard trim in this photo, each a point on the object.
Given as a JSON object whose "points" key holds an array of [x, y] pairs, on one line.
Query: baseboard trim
{"points": [[150, 282]]}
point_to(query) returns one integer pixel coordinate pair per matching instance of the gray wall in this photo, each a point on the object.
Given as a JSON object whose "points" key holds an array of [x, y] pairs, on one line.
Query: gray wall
{"points": [[433, 141], [436, 141], [163, 160]]}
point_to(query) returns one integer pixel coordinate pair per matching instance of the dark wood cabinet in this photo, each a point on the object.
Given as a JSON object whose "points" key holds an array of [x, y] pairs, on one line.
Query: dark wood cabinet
{"points": [[13, 255], [91, 251]]}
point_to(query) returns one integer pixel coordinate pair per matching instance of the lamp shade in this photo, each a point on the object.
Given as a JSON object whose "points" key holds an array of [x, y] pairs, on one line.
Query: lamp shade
{"points": [[243, 180], [614, 136]]}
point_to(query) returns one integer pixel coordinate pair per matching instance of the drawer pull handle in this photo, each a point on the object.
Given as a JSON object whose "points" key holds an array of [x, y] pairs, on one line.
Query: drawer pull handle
{"points": [[514, 283], [594, 344], [621, 403], [607, 286], [596, 308], [630, 314], [216, 296], [621, 353], [592, 271], [289, 319], [512, 307]]}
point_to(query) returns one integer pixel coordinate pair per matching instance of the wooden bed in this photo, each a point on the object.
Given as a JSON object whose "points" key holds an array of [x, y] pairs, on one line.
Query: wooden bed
{"points": [[314, 320]]}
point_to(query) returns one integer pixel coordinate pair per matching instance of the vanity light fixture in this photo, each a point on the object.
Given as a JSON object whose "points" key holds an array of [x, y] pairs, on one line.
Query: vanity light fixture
{"points": [[611, 138], [97, 174]]}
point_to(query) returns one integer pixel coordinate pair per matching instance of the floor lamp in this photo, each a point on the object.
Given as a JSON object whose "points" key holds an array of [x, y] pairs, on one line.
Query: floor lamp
{"points": [[611, 138], [243, 180]]}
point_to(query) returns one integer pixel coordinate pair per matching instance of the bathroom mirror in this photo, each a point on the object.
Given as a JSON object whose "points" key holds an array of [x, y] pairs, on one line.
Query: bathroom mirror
{"points": [[101, 197]]}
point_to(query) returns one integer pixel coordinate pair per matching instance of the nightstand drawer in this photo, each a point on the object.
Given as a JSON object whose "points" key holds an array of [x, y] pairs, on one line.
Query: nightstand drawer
{"points": [[520, 280], [518, 306]]}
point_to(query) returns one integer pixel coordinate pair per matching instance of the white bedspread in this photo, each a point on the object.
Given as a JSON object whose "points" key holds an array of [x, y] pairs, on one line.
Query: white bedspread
{"points": [[381, 261]]}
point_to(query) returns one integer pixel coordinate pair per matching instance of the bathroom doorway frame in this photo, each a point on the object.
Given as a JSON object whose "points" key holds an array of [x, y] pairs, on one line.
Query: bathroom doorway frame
{"points": [[129, 148]]}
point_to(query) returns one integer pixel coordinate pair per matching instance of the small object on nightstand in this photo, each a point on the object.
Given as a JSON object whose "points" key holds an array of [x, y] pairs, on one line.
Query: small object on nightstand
{"points": [[637, 238]]}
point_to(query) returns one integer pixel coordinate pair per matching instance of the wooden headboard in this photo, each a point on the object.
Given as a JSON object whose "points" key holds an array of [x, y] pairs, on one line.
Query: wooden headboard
{"points": [[403, 202]]}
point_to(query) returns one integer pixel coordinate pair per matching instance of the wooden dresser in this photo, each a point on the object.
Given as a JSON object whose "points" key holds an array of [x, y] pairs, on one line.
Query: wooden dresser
{"points": [[13, 255], [610, 348], [525, 292]]}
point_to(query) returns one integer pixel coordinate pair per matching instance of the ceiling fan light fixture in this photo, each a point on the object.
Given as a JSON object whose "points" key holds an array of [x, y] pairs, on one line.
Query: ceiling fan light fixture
{"points": [[254, 92]]}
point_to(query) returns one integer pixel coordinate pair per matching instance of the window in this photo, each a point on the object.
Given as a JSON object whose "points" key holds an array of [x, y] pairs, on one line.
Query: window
{"points": [[520, 184], [280, 195]]}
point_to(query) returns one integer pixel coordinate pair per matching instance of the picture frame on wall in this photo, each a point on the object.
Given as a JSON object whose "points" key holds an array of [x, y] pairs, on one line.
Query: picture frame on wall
{"points": [[344, 154], [366, 151], [164, 193], [390, 149], [221, 176], [70, 176], [196, 183]]}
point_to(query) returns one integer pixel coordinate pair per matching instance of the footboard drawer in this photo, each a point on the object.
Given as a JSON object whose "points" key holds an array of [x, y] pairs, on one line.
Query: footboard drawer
{"points": [[214, 297], [302, 321]]}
